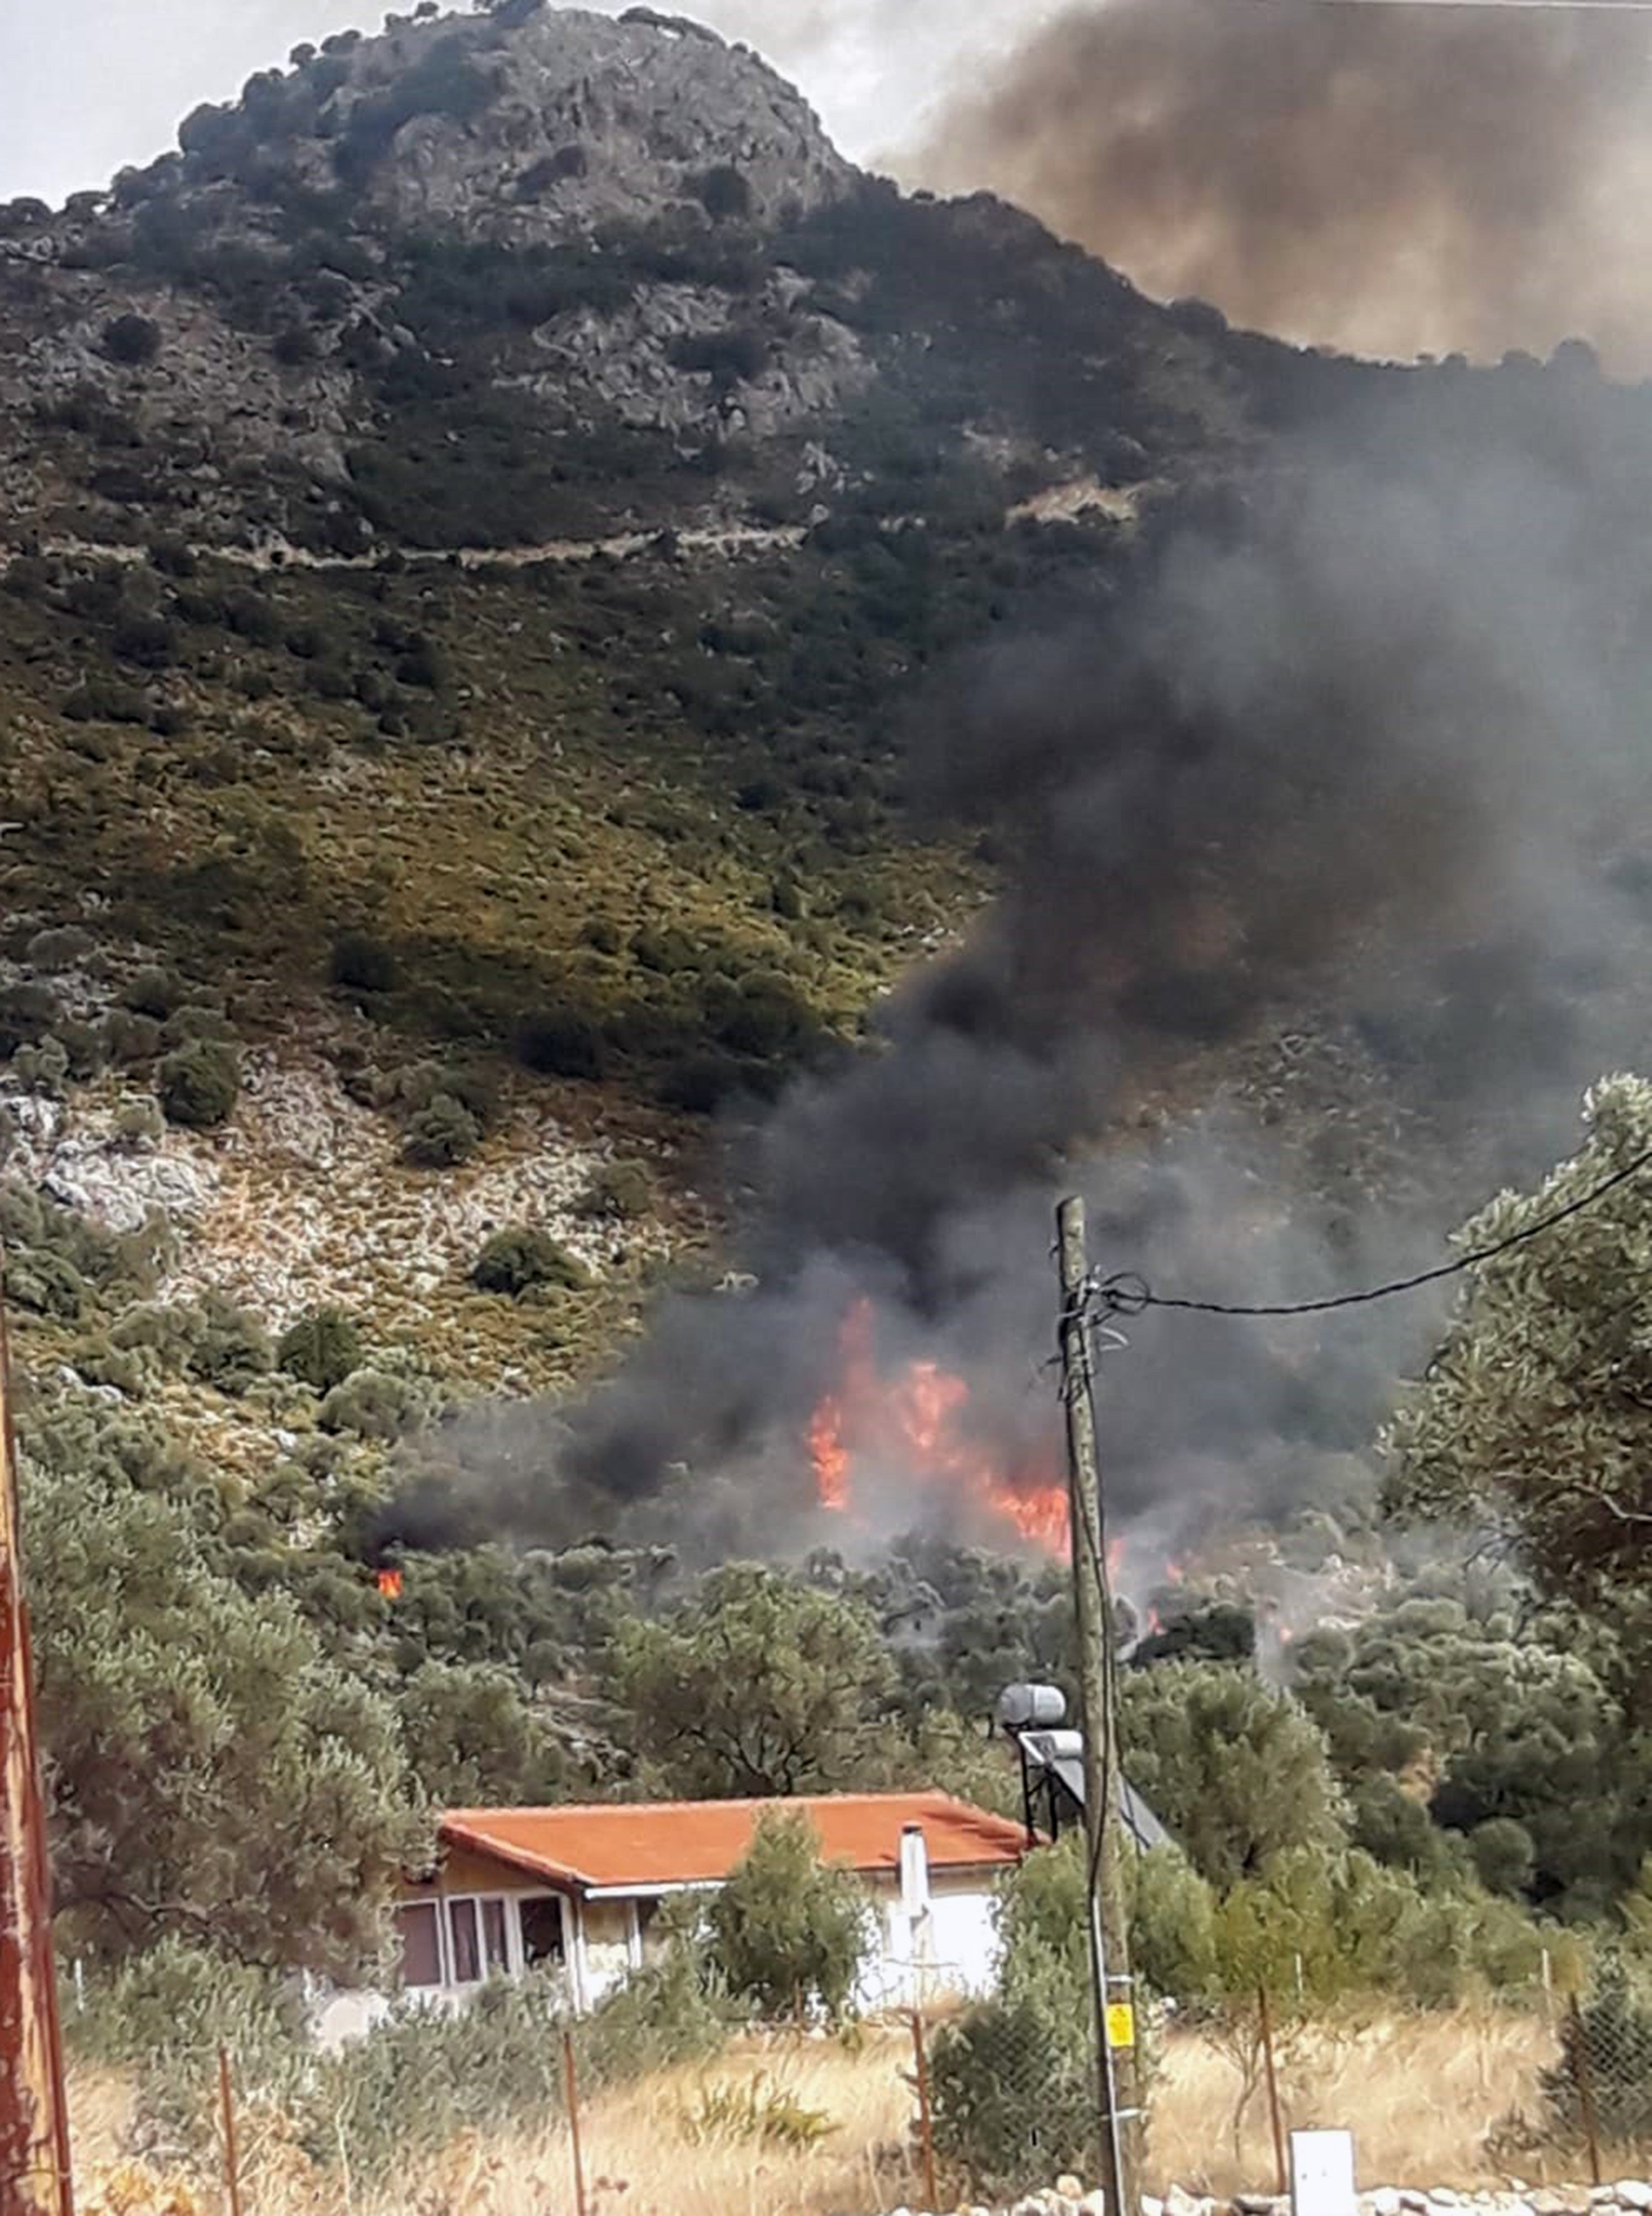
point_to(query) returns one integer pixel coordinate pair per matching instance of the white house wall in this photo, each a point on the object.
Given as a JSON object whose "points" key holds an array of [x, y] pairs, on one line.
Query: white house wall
{"points": [[951, 1947], [607, 1944]]}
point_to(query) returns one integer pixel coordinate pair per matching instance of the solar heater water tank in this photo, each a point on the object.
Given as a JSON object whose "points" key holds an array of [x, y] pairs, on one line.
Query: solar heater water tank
{"points": [[1032, 1707]]}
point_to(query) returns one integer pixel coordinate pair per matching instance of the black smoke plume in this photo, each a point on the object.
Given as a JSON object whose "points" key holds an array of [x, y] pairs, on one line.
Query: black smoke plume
{"points": [[1387, 179], [1321, 907]]}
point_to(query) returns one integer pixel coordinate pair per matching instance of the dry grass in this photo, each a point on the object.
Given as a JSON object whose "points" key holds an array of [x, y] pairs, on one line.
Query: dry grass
{"points": [[1423, 2096], [642, 2154]]}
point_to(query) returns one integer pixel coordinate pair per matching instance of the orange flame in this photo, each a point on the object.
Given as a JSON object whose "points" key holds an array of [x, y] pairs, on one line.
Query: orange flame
{"points": [[390, 1584], [829, 1455], [917, 1421]]}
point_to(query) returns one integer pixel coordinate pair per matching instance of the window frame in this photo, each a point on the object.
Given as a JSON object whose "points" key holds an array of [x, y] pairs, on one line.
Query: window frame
{"points": [[515, 1964]]}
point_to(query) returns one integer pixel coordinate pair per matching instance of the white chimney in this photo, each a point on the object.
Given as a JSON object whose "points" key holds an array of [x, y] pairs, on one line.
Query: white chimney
{"points": [[914, 1872]]}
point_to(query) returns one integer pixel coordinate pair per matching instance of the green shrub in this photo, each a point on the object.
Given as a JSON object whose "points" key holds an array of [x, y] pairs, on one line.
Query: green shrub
{"points": [[128, 1037], [1608, 2044], [441, 1135], [83, 1047], [363, 963], [101, 700], [666, 2013], [699, 1083], [620, 1191], [154, 993], [198, 1019], [139, 1123], [323, 1347], [198, 1085], [132, 340], [1011, 2080], [786, 1932], [372, 1405], [169, 1332], [102, 1363], [724, 193], [161, 2018], [45, 1284], [27, 1011], [148, 641], [517, 1261], [43, 1069], [230, 1348], [561, 1046], [62, 948]]}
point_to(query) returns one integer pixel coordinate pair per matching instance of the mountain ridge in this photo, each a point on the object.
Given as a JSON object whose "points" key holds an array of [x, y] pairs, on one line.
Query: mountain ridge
{"points": [[472, 664]]}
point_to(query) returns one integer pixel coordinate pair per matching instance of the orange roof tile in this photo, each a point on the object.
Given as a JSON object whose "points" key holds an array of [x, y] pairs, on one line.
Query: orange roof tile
{"points": [[667, 1843]]}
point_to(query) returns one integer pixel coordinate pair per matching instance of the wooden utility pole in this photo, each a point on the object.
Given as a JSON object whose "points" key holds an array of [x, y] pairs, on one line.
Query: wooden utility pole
{"points": [[34, 2117], [1112, 1992]]}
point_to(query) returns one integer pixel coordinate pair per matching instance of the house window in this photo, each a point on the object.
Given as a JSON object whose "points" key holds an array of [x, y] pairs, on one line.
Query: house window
{"points": [[543, 1942], [476, 1940], [417, 1928]]}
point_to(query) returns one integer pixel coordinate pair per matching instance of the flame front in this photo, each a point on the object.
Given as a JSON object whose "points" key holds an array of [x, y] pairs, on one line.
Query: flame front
{"points": [[916, 1422], [829, 1455]]}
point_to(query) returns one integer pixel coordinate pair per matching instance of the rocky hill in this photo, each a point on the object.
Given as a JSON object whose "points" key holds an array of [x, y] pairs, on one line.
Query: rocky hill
{"points": [[475, 520], [526, 275], [473, 514]]}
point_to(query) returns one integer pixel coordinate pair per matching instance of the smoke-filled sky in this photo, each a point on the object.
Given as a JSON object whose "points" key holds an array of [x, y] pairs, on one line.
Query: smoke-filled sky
{"points": [[1394, 179], [1321, 908]]}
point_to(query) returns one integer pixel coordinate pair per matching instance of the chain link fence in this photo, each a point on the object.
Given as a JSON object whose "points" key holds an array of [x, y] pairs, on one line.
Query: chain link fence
{"points": [[1598, 2091], [983, 2100], [1539, 2083]]}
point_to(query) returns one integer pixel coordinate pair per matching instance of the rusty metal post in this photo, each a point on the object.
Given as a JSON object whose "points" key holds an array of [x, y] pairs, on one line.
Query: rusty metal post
{"points": [[926, 2120], [570, 2080], [231, 2155], [1281, 2174], [34, 2177], [1583, 2072]]}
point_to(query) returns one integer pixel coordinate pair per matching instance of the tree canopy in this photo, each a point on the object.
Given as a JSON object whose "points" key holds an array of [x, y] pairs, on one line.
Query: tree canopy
{"points": [[788, 1933], [756, 1684], [1238, 1772], [1536, 1413], [189, 1725]]}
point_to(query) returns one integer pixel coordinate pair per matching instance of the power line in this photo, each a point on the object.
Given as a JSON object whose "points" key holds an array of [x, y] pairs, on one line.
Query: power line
{"points": [[1129, 1294]]}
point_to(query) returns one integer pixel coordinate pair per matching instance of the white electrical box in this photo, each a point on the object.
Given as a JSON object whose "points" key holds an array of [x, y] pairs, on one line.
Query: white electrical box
{"points": [[1322, 2174]]}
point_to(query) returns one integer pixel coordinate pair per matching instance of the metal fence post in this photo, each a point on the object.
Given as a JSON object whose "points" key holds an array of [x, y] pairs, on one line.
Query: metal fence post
{"points": [[231, 2155], [1583, 2076], [571, 2079], [926, 2121], [1281, 2174]]}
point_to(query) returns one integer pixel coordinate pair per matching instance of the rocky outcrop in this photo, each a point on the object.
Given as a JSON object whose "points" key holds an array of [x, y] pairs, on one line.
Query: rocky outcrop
{"points": [[533, 274], [588, 121]]}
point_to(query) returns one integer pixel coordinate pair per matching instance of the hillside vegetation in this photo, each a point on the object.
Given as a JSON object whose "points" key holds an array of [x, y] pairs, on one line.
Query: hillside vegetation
{"points": [[480, 527]]}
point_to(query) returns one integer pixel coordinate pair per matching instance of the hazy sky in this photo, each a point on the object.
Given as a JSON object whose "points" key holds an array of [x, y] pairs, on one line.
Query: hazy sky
{"points": [[92, 85]]}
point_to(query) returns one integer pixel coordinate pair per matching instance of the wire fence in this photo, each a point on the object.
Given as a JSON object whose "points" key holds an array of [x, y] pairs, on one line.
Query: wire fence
{"points": [[983, 2101]]}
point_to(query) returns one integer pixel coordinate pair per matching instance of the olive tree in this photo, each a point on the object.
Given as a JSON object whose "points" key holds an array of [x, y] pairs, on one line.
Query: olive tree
{"points": [[1536, 1413], [211, 1773]]}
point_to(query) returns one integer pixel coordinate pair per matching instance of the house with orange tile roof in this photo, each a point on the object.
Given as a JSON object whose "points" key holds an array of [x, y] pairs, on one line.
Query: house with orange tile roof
{"points": [[575, 1890]]}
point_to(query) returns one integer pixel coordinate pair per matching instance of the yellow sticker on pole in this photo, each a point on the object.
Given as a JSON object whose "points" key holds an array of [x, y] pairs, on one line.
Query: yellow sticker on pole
{"points": [[1121, 2024]]}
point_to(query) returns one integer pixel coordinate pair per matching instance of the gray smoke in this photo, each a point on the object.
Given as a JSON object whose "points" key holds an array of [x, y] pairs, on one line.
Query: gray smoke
{"points": [[1387, 179], [1318, 916]]}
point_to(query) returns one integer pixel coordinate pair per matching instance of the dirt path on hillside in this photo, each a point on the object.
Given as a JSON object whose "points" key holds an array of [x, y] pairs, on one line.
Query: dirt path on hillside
{"points": [[277, 554], [1059, 504]]}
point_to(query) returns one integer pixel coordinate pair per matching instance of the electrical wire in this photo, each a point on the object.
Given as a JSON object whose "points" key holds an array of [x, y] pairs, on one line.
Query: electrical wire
{"points": [[1129, 1294]]}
